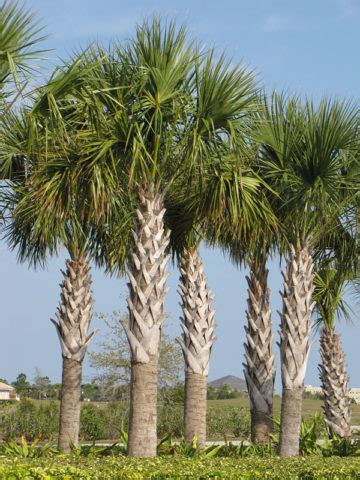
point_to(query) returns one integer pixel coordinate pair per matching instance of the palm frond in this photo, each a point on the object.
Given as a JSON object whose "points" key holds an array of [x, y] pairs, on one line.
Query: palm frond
{"points": [[20, 33]]}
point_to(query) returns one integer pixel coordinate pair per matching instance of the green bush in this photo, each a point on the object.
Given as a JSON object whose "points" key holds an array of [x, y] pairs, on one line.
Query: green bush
{"points": [[35, 419], [30, 420], [170, 420], [92, 422], [222, 422], [116, 419], [66, 468], [229, 421]]}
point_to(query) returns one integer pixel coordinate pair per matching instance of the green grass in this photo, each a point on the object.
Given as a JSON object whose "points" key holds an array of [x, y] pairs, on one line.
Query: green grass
{"points": [[310, 406]]}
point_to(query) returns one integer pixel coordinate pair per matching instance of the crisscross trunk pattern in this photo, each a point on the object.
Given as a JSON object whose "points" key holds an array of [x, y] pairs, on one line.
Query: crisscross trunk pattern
{"points": [[334, 379], [147, 275], [259, 368], [198, 325], [295, 344], [72, 325]]}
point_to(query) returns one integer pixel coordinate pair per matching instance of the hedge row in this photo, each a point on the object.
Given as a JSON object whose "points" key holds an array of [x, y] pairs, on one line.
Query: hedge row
{"points": [[65, 468]]}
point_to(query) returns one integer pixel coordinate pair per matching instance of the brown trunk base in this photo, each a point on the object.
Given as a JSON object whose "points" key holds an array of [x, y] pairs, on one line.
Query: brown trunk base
{"points": [[195, 408], [261, 426], [291, 409], [70, 405], [143, 400]]}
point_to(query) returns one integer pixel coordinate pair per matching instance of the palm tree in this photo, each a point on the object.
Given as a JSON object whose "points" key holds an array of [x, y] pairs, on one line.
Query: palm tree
{"points": [[303, 156], [59, 204], [248, 239], [224, 100], [232, 203], [198, 316], [331, 278], [259, 368], [198, 325], [150, 126]]}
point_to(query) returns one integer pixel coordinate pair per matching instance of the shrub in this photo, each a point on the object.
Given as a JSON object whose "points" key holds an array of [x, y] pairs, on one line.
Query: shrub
{"points": [[222, 422], [105, 421], [116, 416], [92, 422], [170, 420], [65, 468], [27, 419]]}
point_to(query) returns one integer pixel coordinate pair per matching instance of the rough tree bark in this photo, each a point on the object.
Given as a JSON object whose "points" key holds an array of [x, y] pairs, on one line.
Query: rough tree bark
{"points": [[295, 344], [259, 368], [147, 275], [198, 326], [72, 325], [334, 379]]}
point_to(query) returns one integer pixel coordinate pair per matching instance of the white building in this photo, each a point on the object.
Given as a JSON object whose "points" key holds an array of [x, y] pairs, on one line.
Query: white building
{"points": [[354, 393], [312, 390], [7, 392]]}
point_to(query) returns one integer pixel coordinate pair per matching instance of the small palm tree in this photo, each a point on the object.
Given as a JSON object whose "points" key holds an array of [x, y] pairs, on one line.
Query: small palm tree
{"points": [[331, 280], [230, 206], [304, 156], [247, 233], [259, 366]]}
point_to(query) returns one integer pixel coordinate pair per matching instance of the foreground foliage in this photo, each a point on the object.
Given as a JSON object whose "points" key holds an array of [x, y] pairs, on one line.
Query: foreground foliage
{"points": [[180, 467]]}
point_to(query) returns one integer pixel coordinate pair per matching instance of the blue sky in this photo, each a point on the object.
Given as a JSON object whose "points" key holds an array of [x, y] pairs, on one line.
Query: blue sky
{"points": [[304, 47]]}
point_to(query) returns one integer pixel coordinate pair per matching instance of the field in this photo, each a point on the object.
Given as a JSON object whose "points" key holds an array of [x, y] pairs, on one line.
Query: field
{"points": [[226, 419], [310, 406]]}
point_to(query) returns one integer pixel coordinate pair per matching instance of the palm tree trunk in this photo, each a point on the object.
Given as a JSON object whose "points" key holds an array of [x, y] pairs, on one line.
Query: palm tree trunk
{"points": [[334, 378], [295, 344], [72, 325], [259, 368], [70, 404], [198, 326], [147, 275]]}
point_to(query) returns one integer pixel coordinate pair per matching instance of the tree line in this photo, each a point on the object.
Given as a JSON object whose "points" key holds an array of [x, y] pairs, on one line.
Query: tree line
{"points": [[136, 152]]}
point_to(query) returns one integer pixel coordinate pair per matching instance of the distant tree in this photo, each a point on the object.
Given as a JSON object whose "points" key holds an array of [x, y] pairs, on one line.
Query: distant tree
{"points": [[172, 395], [112, 360], [313, 396], [225, 392], [21, 385], [53, 391], [89, 391], [41, 385], [211, 392]]}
